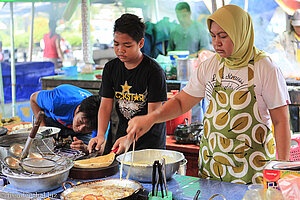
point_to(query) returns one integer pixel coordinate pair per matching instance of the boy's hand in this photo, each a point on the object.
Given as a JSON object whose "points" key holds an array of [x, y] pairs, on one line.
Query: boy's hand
{"points": [[122, 143], [98, 141], [79, 145]]}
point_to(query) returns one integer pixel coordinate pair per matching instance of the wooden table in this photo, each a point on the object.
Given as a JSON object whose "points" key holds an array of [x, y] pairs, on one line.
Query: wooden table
{"points": [[190, 151]]}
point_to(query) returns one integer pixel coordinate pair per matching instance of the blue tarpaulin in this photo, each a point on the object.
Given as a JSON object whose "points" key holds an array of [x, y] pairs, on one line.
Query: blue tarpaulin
{"points": [[28, 78]]}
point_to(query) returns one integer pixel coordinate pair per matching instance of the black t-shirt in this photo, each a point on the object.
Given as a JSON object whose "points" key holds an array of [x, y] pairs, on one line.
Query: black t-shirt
{"points": [[133, 89]]}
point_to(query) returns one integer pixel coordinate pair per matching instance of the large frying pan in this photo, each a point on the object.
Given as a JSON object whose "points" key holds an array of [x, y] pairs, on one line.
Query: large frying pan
{"points": [[117, 182], [7, 140]]}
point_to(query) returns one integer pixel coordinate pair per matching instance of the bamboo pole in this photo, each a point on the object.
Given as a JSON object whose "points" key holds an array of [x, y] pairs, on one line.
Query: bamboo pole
{"points": [[12, 62]]}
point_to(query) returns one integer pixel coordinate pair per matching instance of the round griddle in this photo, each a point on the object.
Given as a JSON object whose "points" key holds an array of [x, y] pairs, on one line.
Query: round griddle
{"points": [[93, 173]]}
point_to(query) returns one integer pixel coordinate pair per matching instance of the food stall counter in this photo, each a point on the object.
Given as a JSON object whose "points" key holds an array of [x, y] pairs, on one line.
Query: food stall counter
{"points": [[91, 81], [182, 188]]}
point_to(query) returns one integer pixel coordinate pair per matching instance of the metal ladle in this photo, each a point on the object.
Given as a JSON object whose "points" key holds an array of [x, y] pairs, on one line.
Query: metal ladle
{"points": [[21, 151]]}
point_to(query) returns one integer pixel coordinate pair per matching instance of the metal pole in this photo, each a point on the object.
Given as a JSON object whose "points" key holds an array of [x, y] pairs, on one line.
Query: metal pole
{"points": [[2, 93], [12, 62], [156, 10], [246, 5], [86, 32], [31, 33], [214, 5]]}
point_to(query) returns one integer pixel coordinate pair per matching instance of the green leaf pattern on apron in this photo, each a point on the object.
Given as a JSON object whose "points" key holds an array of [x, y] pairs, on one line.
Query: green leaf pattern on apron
{"points": [[236, 145]]}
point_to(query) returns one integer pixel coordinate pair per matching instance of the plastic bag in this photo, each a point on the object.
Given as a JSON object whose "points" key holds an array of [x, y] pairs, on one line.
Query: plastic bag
{"points": [[263, 194], [290, 187]]}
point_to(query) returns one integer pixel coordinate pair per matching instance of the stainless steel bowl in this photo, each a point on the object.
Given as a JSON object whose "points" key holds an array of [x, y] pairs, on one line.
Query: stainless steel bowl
{"points": [[143, 160]]}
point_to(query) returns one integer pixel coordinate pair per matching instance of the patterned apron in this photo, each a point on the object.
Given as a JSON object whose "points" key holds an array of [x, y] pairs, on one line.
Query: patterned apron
{"points": [[236, 145]]}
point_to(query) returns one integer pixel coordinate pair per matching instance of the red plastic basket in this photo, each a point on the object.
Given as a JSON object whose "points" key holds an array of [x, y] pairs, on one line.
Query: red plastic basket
{"points": [[295, 149]]}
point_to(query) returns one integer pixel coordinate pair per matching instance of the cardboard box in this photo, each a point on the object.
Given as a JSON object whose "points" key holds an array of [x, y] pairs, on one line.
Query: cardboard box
{"points": [[276, 170]]}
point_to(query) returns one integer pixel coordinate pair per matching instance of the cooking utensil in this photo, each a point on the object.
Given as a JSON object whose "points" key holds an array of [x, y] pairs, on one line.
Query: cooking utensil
{"points": [[163, 170], [158, 180], [197, 195], [44, 131], [136, 186], [16, 149], [12, 162], [32, 134], [94, 173], [132, 155], [143, 160], [3, 131], [38, 165], [8, 140], [28, 182]]}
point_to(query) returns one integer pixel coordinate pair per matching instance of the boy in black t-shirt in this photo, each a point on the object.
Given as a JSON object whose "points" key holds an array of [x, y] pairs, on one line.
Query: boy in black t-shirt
{"points": [[136, 82]]}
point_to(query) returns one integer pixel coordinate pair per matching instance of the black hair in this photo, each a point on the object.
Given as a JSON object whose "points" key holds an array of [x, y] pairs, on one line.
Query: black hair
{"points": [[131, 25], [52, 27], [183, 5], [89, 106]]}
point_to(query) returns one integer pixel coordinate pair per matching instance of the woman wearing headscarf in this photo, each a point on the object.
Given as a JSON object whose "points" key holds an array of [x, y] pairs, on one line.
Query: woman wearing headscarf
{"points": [[246, 92]]}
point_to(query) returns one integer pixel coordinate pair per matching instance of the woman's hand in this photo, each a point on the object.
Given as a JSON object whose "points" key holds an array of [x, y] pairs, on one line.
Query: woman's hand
{"points": [[79, 145], [139, 125]]}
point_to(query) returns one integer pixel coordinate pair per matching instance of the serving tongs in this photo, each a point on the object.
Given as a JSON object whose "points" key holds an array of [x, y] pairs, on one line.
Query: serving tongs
{"points": [[159, 179]]}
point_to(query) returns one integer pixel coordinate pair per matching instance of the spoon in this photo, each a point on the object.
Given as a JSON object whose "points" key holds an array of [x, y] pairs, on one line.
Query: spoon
{"points": [[12, 162], [16, 149]]}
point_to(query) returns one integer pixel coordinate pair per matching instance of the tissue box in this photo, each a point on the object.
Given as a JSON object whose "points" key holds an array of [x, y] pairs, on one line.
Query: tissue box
{"points": [[277, 169]]}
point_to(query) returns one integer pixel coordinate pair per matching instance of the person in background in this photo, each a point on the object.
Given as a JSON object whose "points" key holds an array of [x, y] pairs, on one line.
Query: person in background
{"points": [[289, 42], [70, 108], [246, 92], [188, 35], [136, 82], [51, 44]]}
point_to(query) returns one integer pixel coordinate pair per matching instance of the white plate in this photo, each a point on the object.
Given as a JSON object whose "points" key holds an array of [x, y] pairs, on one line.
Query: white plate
{"points": [[55, 130]]}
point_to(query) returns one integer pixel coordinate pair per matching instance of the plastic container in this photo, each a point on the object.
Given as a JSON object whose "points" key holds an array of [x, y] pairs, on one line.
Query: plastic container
{"points": [[178, 54], [173, 123], [70, 71], [295, 149], [159, 196], [185, 68]]}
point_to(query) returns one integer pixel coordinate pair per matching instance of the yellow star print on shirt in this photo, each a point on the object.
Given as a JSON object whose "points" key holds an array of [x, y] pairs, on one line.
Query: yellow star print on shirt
{"points": [[126, 87]]}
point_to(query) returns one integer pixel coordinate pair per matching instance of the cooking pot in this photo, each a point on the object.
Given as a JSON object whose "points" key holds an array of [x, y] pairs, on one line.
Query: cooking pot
{"points": [[40, 182], [143, 163], [136, 186]]}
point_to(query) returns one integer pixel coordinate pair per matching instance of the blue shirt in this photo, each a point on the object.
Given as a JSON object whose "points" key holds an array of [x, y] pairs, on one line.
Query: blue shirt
{"points": [[61, 102]]}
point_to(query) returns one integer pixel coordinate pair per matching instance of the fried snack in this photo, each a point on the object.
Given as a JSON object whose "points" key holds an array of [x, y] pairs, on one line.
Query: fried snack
{"points": [[96, 162]]}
